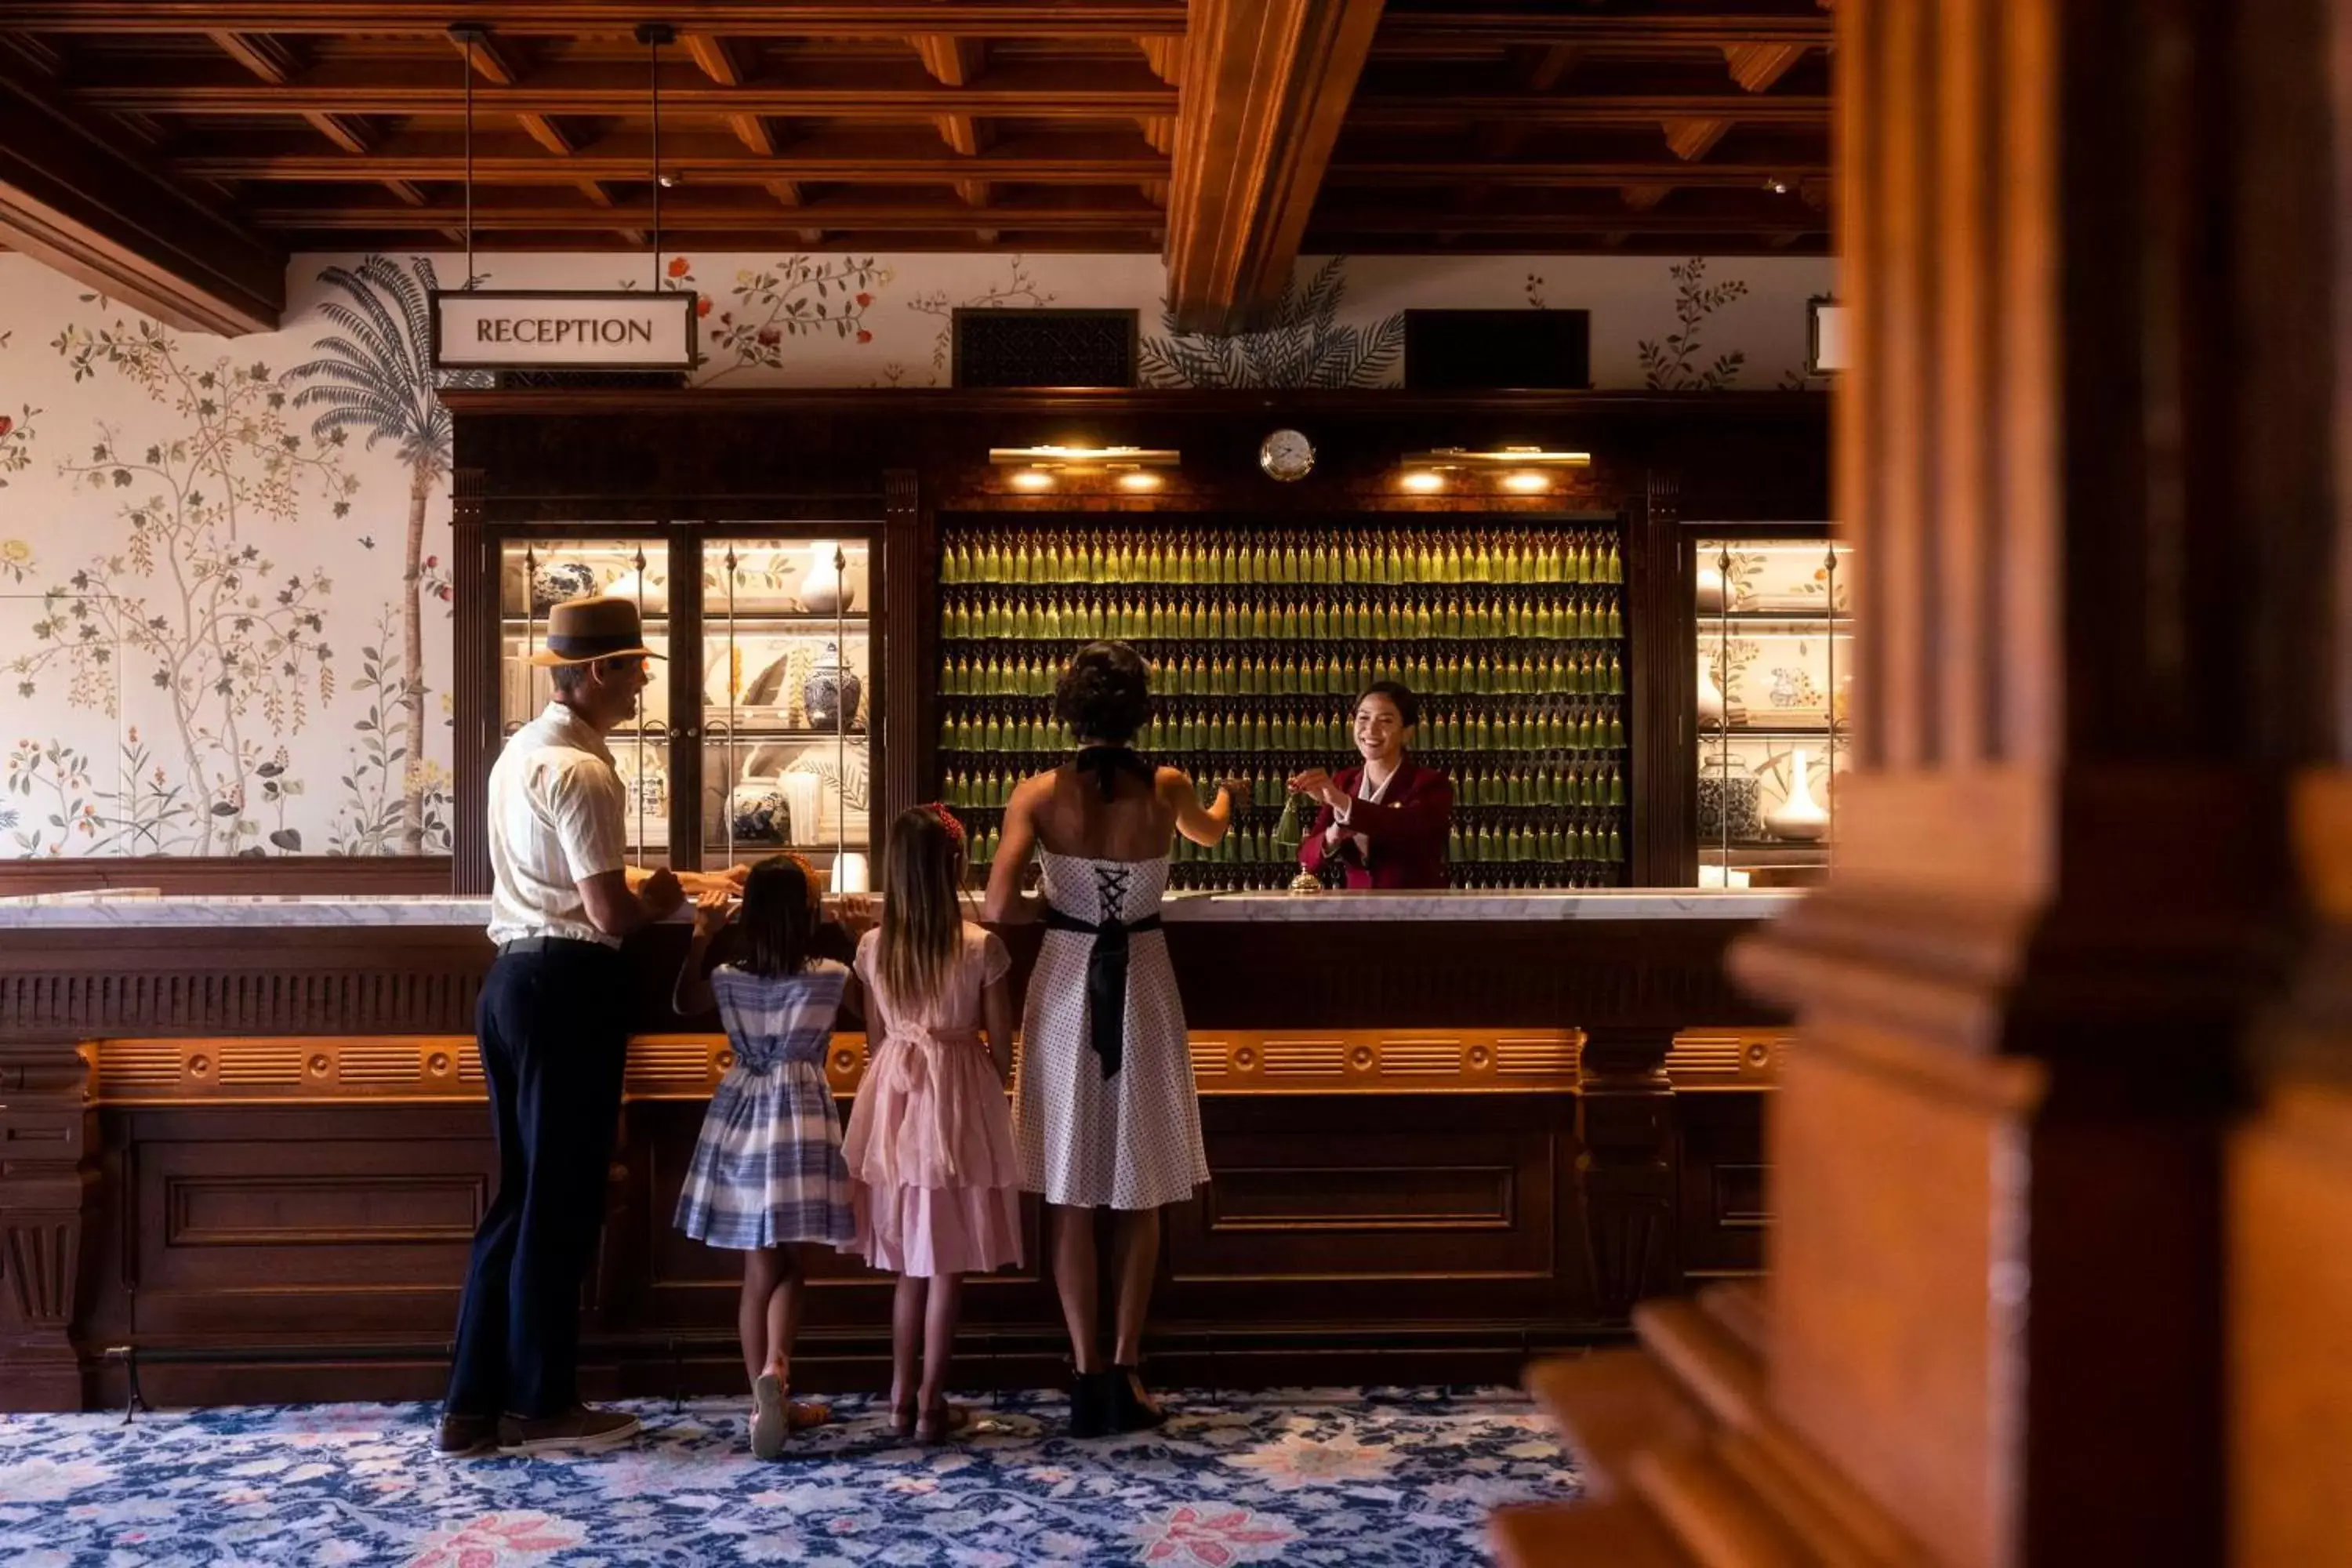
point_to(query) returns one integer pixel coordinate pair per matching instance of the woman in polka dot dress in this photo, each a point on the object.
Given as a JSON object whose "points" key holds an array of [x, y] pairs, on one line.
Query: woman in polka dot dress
{"points": [[1106, 1113]]}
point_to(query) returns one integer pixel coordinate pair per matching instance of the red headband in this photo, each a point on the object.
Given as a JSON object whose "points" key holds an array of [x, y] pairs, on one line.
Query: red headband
{"points": [[947, 820]]}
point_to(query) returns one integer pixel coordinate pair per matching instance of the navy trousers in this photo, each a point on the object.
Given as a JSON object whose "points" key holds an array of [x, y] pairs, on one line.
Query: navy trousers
{"points": [[554, 1028]]}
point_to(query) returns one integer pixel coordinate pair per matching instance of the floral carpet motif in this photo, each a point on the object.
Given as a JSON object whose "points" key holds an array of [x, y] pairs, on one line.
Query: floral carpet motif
{"points": [[1364, 1479]]}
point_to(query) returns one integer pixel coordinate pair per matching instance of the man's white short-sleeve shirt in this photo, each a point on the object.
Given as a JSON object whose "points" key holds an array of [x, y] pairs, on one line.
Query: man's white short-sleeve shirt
{"points": [[557, 817]]}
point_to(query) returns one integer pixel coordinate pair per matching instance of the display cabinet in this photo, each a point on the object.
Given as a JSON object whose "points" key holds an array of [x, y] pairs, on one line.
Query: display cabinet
{"points": [[1774, 664], [758, 732], [1511, 632]]}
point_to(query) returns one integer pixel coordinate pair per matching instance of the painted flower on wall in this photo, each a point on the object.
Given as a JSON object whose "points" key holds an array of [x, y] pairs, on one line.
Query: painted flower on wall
{"points": [[1673, 363], [17, 442], [793, 297], [16, 561]]}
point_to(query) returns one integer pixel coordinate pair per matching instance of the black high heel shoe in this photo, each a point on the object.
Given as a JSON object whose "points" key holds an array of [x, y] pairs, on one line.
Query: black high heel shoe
{"points": [[1093, 1404], [1132, 1408]]}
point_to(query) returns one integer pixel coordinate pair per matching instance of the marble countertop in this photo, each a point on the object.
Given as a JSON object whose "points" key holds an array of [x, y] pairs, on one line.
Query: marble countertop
{"points": [[129, 909]]}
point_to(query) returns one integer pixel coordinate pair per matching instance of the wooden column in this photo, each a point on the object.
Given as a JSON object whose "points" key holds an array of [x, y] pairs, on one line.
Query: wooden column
{"points": [[1626, 1173], [2085, 461], [45, 1148], [2289, 1211]]}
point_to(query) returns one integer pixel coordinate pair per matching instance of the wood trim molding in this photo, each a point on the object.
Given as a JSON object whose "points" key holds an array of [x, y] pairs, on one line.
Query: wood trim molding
{"points": [[1266, 83], [305, 875], [95, 213], [318, 1070]]}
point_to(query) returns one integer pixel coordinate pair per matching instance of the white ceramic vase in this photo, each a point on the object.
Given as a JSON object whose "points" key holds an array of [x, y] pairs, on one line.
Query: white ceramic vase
{"points": [[1799, 817], [1710, 696], [825, 590]]}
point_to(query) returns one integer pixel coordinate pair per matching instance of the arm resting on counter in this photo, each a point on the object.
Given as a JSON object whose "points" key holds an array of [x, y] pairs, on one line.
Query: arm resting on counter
{"points": [[1003, 904], [617, 911]]}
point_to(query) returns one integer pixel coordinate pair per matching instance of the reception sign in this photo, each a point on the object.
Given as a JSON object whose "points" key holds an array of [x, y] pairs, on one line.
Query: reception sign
{"points": [[492, 329]]}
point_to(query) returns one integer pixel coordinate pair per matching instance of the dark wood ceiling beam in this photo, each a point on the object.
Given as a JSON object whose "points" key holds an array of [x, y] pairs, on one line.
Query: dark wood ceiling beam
{"points": [[497, 61], [1694, 139], [1394, 112], [271, 59], [1165, 56], [951, 60], [719, 60], [1568, 176], [702, 162], [1571, 226], [612, 18], [71, 199], [407, 194], [1444, 25], [349, 131], [1040, 92], [1540, 68], [967, 134], [755, 132], [788, 193], [1756, 66], [549, 134], [972, 193], [682, 215], [595, 192], [1266, 85]]}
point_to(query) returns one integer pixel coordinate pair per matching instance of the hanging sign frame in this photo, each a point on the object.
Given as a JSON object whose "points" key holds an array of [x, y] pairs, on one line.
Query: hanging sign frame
{"points": [[562, 329]]}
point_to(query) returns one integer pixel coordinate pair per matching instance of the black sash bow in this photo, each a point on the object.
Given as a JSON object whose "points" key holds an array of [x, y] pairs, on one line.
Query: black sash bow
{"points": [[1107, 763], [1106, 981]]}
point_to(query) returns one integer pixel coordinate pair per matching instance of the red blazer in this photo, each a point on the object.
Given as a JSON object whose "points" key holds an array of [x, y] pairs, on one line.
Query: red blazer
{"points": [[1407, 830]]}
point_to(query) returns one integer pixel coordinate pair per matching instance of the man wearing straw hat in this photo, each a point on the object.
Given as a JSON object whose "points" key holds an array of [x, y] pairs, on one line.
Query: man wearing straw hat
{"points": [[554, 1023]]}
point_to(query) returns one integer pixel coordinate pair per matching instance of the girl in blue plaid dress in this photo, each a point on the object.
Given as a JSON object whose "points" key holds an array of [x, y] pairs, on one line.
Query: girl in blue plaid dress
{"points": [[767, 1175]]}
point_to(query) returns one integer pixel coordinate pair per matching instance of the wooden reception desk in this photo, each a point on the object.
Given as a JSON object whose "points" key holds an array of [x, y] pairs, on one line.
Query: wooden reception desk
{"points": [[245, 1146]]}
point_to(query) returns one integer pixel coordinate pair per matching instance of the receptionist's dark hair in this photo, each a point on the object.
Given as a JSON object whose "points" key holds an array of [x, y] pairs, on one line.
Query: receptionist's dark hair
{"points": [[1105, 694], [1408, 706]]}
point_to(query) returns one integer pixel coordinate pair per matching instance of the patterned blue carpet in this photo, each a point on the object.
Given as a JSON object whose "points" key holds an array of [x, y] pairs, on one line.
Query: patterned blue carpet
{"points": [[1360, 1477]]}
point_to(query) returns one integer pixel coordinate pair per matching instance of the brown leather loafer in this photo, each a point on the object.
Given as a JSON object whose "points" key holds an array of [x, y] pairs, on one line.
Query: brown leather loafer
{"points": [[583, 1429], [463, 1437]]}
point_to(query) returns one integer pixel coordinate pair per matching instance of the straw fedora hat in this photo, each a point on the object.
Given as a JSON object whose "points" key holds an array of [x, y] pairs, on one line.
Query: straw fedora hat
{"points": [[581, 631]]}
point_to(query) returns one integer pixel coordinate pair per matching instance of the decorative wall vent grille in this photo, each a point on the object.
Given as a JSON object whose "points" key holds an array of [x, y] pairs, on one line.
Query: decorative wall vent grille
{"points": [[1044, 348]]}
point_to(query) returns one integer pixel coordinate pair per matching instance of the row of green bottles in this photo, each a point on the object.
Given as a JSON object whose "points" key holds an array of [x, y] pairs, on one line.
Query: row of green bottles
{"points": [[1397, 557], [1557, 729], [1557, 616], [1247, 842], [1539, 786], [1192, 675], [1489, 843]]}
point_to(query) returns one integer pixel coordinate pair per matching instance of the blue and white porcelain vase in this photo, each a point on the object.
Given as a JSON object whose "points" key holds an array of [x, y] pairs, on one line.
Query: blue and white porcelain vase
{"points": [[830, 693], [760, 813], [552, 582]]}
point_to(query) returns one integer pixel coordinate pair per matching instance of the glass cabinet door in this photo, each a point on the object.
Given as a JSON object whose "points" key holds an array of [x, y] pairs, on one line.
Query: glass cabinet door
{"points": [[539, 572], [788, 700], [1775, 662]]}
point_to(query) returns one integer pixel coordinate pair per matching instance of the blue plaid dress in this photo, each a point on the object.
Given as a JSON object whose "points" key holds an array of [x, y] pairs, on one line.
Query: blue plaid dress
{"points": [[768, 1169]]}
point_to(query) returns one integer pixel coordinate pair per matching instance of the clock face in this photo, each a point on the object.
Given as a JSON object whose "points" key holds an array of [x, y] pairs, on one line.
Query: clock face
{"points": [[1286, 455]]}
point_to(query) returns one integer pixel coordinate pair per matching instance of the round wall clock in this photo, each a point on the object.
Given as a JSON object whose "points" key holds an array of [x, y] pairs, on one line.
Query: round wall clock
{"points": [[1285, 454]]}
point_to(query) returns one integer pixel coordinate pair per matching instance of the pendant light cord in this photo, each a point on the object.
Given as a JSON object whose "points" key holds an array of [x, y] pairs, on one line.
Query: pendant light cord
{"points": [[469, 162], [653, 57]]}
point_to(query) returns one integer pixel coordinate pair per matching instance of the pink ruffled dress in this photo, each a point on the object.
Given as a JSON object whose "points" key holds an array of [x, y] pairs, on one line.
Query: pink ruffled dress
{"points": [[935, 1185]]}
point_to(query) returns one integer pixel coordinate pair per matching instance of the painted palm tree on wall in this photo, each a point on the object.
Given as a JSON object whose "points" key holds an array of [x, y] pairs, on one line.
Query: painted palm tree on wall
{"points": [[376, 375]]}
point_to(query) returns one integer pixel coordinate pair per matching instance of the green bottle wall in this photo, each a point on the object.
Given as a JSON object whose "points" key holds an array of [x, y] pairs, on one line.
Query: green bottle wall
{"points": [[1511, 632]]}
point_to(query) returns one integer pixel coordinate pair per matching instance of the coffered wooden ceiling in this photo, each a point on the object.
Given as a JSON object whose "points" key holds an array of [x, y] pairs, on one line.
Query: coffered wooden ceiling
{"points": [[176, 151]]}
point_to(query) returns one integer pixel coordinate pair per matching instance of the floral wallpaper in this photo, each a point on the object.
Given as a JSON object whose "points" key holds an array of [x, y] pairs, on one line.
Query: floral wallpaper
{"points": [[224, 603]]}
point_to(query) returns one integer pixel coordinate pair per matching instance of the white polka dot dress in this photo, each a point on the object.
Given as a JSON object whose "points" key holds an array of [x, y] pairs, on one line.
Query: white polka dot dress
{"points": [[1130, 1140]]}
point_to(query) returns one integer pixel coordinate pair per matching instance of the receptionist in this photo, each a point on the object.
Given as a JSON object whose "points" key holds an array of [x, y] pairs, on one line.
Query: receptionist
{"points": [[1385, 821]]}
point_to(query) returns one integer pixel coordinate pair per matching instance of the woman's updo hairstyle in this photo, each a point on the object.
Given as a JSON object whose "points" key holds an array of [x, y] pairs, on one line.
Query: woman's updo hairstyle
{"points": [[1105, 694]]}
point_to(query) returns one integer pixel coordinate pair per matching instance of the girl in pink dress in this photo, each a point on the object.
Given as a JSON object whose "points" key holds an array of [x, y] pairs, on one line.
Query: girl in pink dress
{"points": [[934, 1182]]}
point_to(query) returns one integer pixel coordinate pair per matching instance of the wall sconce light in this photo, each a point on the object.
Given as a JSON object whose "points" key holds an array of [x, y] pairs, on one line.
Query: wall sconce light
{"points": [[1033, 479], [1086, 457], [1527, 481], [1423, 481], [1139, 480], [1499, 457]]}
